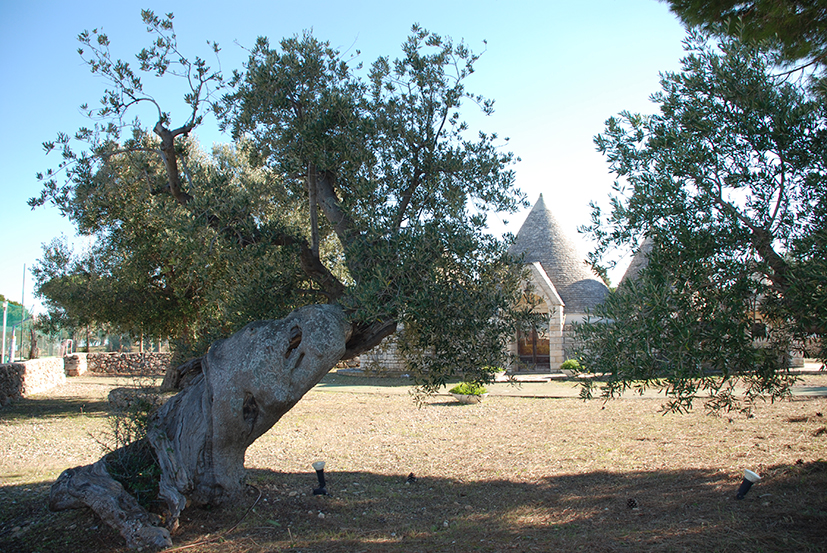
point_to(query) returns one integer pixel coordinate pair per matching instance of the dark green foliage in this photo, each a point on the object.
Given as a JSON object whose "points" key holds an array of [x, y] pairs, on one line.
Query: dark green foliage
{"points": [[686, 325], [796, 29], [401, 187], [729, 182], [136, 468], [157, 270]]}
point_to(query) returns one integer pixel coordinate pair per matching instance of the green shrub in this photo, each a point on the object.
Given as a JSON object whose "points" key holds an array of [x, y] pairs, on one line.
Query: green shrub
{"points": [[493, 370], [571, 365], [137, 469], [130, 458], [468, 389]]}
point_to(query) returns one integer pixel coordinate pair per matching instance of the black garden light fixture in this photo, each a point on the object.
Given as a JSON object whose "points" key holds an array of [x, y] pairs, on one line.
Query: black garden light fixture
{"points": [[750, 478], [318, 466]]}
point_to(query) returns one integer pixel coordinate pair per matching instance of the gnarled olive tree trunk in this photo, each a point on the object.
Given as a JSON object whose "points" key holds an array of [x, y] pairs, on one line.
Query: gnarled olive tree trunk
{"points": [[248, 382]]}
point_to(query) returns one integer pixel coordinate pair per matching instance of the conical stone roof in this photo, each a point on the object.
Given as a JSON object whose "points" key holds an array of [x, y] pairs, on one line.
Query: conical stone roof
{"points": [[541, 239], [639, 261]]}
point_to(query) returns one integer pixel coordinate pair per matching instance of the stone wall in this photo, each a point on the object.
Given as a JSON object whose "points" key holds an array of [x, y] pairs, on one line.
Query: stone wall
{"points": [[354, 363], [383, 360], [30, 377], [570, 345], [75, 364], [148, 363]]}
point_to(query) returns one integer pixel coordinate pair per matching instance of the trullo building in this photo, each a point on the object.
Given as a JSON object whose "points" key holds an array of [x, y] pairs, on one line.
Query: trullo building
{"points": [[565, 286]]}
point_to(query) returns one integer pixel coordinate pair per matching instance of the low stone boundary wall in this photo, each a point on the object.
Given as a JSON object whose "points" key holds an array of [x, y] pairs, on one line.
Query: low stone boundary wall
{"points": [[77, 364], [30, 377], [148, 363]]}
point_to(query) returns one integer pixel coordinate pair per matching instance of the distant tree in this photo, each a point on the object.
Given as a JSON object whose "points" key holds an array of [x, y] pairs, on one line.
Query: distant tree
{"points": [[69, 288], [17, 318], [797, 28], [729, 181], [15, 313]]}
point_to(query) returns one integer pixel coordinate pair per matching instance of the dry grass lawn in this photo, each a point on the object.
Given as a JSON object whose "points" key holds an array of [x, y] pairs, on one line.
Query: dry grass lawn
{"points": [[510, 474]]}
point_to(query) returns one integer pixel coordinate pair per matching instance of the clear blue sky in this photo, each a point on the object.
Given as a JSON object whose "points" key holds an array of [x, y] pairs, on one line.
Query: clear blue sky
{"points": [[557, 70]]}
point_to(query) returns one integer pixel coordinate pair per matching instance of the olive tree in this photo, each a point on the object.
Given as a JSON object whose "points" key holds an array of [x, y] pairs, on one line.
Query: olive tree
{"points": [[373, 212], [727, 184]]}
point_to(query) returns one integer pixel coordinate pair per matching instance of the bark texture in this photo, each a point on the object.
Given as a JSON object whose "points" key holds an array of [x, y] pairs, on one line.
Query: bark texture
{"points": [[200, 436], [92, 486]]}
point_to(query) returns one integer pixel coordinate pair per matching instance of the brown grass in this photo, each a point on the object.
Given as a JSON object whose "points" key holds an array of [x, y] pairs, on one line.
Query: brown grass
{"points": [[510, 474]]}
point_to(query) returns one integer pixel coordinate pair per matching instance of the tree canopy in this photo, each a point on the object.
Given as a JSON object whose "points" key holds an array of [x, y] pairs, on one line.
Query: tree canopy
{"points": [[342, 185], [727, 183], [797, 30], [156, 270]]}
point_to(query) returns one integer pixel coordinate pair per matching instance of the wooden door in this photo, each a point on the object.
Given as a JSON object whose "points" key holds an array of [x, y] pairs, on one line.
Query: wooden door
{"points": [[533, 350]]}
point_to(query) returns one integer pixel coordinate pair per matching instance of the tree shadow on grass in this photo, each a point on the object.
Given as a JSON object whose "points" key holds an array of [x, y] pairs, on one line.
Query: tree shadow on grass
{"points": [[45, 407], [335, 380], [450, 404], [683, 510]]}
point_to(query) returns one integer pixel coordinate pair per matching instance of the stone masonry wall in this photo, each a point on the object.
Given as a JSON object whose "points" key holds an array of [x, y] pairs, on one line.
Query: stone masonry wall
{"points": [[569, 343], [148, 363], [556, 349], [75, 364], [30, 377], [383, 360], [354, 363]]}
